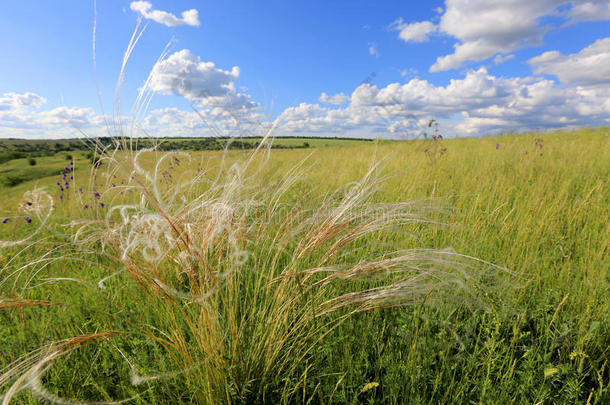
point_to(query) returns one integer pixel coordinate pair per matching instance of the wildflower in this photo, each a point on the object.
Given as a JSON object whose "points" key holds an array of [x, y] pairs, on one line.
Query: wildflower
{"points": [[80, 190], [58, 184], [85, 206], [61, 196], [66, 169], [66, 184], [28, 220], [5, 220], [29, 203], [61, 188], [97, 195], [71, 163], [497, 146], [71, 177], [102, 204]]}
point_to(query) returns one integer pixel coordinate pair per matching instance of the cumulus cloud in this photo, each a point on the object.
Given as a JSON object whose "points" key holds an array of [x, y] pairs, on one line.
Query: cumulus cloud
{"points": [[337, 99], [9, 101], [221, 110], [485, 28], [189, 17], [185, 74], [414, 32], [589, 11], [59, 122], [589, 66], [79, 117], [484, 103]]}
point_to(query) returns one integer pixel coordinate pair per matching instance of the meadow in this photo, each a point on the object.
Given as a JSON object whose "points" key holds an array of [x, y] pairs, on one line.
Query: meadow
{"points": [[457, 271]]}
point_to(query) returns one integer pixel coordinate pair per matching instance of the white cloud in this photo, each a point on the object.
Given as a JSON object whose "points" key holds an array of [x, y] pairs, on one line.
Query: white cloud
{"points": [[589, 11], [185, 74], [9, 101], [408, 72], [589, 66], [484, 28], [189, 17], [503, 58], [59, 122], [337, 99], [76, 117], [484, 102], [373, 50], [414, 32]]}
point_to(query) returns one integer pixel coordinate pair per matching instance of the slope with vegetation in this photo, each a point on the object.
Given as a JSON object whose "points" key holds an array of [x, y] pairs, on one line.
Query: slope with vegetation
{"points": [[349, 277]]}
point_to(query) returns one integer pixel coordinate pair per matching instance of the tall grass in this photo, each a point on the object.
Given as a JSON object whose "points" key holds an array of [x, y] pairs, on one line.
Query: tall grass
{"points": [[245, 276], [543, 217], [241, 277]]}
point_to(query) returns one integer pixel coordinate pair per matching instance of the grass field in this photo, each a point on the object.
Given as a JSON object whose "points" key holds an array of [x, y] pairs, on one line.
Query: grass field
{"points": [[263, 284]]}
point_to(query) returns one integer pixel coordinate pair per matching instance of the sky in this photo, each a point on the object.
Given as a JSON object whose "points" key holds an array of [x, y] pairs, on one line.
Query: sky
{"points": [[316, 68]]}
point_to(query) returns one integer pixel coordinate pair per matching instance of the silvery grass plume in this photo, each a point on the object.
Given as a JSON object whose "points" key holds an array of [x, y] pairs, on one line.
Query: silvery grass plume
{"points": [[246, 272]]}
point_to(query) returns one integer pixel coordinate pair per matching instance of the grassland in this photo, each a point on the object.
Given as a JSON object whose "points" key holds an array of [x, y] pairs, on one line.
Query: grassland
{"points": [[535, 204]]}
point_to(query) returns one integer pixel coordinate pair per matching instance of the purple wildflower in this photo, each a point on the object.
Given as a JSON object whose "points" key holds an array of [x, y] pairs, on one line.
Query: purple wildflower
{"points": [[497, 146], [29, 203], [67, 186], [80, 190], [102, 204], [71, 163], [71, 177], [5, 220], [85, 206], [28, 220], [61, 196], [66, 169], [61, 189], [97, 195], [58, 184]]}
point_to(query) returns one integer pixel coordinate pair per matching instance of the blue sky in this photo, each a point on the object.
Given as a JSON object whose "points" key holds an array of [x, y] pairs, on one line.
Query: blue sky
{"points": [[325, 68]]}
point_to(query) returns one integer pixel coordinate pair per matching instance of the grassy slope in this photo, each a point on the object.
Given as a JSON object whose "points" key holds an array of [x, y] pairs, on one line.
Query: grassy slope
{"points": [[543, 214], [39, 145]]}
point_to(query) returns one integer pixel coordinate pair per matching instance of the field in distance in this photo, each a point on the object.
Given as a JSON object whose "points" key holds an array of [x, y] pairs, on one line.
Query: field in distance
{"points": [[536, 204]]}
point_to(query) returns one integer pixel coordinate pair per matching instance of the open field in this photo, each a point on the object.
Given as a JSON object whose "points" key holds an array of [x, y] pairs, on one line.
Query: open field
{"points": [[43, 147], [534, 329]]}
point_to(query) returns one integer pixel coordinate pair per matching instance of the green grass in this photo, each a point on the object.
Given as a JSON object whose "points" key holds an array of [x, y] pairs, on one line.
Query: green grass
{"points": [[48, 147], [17, 171], [541, 212]]}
